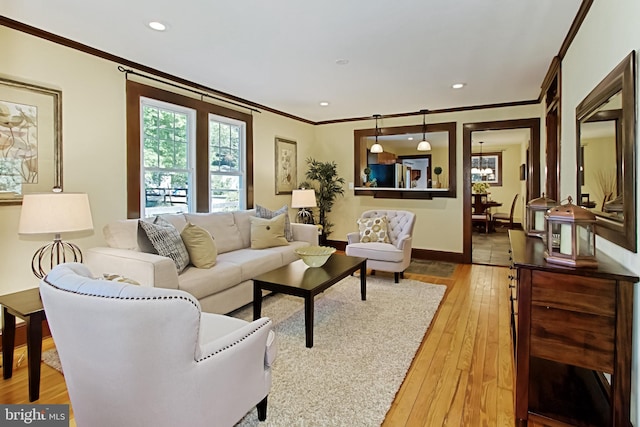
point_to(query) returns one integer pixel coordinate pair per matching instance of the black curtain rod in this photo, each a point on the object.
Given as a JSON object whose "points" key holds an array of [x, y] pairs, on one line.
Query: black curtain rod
{"points": [[127, 72]]}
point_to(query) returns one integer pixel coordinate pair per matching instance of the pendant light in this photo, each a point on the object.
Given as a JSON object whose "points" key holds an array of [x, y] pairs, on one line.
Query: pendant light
{"points": [[424, 145], [376, 148], [482, 171]]}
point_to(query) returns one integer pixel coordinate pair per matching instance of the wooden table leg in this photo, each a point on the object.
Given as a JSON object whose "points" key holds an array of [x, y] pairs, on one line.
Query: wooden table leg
{"points": [[308, 320], [257, 301], [34, 353], [8, 342], [363, 280]]}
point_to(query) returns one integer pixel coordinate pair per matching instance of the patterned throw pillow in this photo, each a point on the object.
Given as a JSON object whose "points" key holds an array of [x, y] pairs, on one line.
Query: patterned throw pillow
{"points": [[373, 230], [200, 245], [267, 233], [265, 213], [166, 239]]}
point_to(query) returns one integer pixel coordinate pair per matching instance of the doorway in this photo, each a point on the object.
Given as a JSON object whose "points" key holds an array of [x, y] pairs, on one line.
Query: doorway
{"points": [[518, 143]]}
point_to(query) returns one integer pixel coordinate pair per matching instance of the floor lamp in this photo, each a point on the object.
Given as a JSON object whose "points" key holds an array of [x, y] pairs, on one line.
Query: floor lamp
{"points": [[304, 199], [54, 213]]}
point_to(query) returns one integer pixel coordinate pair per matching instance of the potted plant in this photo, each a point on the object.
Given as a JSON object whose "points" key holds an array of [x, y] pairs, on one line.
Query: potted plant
{"points": [[437, 170], [328, 187], [480, 187], [367, 174]]}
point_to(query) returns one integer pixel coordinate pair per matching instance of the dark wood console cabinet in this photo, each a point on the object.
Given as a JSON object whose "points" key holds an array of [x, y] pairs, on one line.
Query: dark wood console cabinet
{"points": [[571, 325]]}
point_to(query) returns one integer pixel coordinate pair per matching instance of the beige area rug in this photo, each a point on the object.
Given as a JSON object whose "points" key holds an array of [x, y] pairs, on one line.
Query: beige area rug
{"points": [[361, 354], [51, 358]]}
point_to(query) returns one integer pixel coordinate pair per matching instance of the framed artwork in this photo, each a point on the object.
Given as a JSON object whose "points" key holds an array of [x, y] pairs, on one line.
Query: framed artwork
{"points": [[487, 168], [286, 166], [30, 140]]}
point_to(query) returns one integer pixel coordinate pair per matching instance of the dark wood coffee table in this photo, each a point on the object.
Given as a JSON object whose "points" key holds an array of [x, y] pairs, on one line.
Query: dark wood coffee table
{"points": [[300, 280]]}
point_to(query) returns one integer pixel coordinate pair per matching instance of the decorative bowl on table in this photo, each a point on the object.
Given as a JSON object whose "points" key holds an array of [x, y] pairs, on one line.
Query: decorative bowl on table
{"points": [[315, 256]]}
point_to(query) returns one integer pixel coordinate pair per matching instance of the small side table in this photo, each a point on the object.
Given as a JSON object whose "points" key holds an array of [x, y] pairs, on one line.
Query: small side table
{"points": [[27, 305]]}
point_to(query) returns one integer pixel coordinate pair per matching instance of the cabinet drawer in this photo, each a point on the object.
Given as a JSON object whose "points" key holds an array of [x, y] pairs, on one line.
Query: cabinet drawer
{"points": [[573, 337], [574, 293]]}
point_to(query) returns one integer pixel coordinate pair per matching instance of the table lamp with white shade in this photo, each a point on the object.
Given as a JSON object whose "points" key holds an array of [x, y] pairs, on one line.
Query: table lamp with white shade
{"points": [[304, 199], [54, 213]]}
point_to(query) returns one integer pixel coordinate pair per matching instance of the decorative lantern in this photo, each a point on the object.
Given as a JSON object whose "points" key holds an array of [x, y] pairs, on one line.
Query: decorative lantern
{"points": [[571, 236], [536, 209]]}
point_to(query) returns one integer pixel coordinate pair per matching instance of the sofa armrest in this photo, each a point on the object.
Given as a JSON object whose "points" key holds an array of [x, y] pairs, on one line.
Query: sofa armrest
{"points": [[353, 237], [146, 269], [305, 233]]}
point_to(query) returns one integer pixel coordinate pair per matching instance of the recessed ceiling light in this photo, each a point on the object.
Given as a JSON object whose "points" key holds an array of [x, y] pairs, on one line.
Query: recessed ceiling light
{"points": [[458, 85], [410, 138], [324, 104], [158, 26], [342, 61]]}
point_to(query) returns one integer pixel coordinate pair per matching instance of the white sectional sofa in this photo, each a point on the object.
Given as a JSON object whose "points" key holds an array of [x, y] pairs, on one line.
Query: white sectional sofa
{"points": [[220, 289]]}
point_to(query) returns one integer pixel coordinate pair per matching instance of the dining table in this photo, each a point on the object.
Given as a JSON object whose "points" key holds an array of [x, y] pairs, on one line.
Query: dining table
{"points": [[481, 203]]}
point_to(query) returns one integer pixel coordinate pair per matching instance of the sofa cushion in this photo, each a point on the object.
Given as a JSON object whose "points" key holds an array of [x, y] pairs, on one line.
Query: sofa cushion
{"points": [[167, 241], [122, 234], [200, 245], [252, 262], [266, 233], [202, 283], [263, 212], [144, 243], [244, 225], [373, 229], [221, 226]]}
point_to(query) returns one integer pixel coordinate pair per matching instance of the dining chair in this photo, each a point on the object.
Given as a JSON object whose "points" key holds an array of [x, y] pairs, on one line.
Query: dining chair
{"points": [[503, 217]]}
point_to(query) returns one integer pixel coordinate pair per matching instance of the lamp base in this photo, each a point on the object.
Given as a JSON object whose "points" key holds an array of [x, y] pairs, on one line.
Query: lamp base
{"points": [[304, 217], [53, 254]]}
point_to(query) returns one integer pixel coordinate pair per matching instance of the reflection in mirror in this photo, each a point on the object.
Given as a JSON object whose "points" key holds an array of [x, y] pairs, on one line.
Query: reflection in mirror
{"points": [[401, 171], [601, 161], [606, 148], [401, 165]]}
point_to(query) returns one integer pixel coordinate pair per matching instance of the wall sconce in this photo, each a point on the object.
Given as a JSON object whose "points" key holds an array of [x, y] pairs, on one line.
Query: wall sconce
{"points": [[571, 236], [536, 209]]}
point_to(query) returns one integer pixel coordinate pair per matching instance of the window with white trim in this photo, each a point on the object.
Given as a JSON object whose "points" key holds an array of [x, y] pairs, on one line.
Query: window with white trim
{"points": [[227, 166], [168, 147]]}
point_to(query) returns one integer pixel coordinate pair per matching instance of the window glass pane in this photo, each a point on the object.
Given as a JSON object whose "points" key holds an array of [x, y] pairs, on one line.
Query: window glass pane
{"points": [[166, 154], [166, 192], [225, 193]]}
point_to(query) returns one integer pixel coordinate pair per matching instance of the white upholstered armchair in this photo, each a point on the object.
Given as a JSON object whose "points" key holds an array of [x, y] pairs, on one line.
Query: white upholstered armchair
{"points": [[394, 256], [141, 356]]}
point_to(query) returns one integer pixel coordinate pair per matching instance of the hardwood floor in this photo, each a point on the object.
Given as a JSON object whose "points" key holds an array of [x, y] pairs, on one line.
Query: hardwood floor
{"points": [[462, 374]]}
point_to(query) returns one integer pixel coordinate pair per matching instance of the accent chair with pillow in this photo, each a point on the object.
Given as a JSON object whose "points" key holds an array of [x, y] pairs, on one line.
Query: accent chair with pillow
{"points": [[384, 238], [141, 356]]}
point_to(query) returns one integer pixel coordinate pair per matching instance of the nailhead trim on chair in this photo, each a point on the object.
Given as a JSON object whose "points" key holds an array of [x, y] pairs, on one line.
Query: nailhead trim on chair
{"points": [[125, 298], [166, 298], [235, 342]]}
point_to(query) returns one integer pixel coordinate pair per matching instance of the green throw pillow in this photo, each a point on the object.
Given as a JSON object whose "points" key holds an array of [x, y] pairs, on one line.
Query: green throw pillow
{"points": [[266, 233], [200, 245]]}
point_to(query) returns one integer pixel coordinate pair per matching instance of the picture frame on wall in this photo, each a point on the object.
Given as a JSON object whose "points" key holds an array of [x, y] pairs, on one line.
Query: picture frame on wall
{"points": [[286, 167], [30, 140]]}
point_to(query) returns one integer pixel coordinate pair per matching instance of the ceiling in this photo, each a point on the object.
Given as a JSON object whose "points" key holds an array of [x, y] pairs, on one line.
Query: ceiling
{"points": [[402, 56]]}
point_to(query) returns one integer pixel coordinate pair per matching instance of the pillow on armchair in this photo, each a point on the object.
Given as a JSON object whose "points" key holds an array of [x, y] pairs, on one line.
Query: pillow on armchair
{"points": [[373, 230]]}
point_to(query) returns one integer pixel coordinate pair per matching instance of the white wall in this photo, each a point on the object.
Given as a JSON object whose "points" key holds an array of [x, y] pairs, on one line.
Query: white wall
{"points": [[609, 32], [94, 144]]}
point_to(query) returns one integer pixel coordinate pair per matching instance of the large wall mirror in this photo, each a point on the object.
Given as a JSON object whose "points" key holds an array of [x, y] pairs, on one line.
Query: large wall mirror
{"points": [[401, 171], [606, 153]]}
